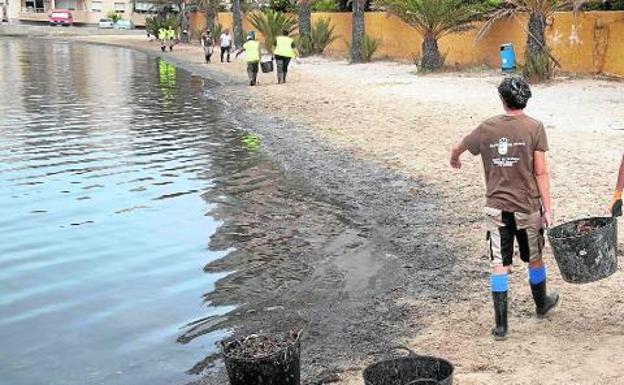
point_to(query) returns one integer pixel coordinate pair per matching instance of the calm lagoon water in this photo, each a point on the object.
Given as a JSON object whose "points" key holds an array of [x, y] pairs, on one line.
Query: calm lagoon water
{"points": [[105, 154]]}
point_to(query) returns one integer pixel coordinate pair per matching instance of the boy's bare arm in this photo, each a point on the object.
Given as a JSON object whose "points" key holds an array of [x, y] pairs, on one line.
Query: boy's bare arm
{"points": [[456, 150], [540, 170], [616, 204], [620, 181]]}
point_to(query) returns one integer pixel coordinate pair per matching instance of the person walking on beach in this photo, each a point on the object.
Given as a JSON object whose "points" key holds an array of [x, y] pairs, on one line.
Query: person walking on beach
{"points": [[252, 55], [284, 51], [171, 37], [513, 149], [616, 204], [225, 42], [162, 36], [208, 43]]}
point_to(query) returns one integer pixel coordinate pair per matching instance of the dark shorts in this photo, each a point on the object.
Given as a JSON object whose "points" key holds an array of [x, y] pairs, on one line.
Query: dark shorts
{"points": [[504, 228], [252, 67], [282, 63]]}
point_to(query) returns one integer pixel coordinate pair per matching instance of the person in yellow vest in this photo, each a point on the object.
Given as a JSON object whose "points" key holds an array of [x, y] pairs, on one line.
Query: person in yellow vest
{"points": [[162, 36], [252, 55], [171, 36], [284, 51]]}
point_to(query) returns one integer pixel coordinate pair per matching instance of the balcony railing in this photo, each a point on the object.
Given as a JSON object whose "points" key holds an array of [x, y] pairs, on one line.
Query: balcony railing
{"points": [[34, 10]]}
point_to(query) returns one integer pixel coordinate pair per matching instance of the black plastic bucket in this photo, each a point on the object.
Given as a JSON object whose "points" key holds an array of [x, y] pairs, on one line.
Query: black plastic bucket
{"points": [[280, 368], [412, 369], [266, 66], [585, 249]]}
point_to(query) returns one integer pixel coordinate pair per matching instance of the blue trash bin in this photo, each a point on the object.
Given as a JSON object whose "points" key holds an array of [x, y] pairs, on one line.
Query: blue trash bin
{"points": [[507, 58]]}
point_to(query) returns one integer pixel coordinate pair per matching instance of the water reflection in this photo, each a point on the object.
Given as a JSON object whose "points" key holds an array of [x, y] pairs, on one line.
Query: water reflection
{"points": [[112, 182]]}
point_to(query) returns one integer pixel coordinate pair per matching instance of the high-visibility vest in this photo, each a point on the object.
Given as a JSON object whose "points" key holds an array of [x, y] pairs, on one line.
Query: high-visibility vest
{"points": [[162, 34], [283, 47], [252, 51], [171, 34]]}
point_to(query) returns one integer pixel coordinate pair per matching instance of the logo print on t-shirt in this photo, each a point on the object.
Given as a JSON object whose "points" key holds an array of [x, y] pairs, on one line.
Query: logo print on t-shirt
{"points": [[503, 146]]}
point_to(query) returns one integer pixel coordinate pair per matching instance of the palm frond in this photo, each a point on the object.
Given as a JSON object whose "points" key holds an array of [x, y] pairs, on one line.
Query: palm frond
{"points": [[271, 24], [434, 18], [493, 18]]}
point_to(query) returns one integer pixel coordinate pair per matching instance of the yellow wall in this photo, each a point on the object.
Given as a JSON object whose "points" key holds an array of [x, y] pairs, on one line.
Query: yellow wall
{"points": [[591, 42]]}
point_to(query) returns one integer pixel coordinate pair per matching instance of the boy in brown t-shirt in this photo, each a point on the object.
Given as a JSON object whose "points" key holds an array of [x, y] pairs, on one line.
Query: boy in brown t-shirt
{"points": [[513, 150]]}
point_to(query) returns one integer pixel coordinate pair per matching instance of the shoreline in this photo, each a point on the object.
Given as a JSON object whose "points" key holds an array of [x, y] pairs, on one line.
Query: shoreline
{"points": [[372, 139]]}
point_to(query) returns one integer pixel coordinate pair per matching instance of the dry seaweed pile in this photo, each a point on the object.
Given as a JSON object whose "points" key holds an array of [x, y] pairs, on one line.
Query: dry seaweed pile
{"points": [[258, 346], [586, 227]]}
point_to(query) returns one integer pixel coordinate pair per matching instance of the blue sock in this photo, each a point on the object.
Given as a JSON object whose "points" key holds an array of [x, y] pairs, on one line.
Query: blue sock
{"points": [[537, 275], [499, 283]]}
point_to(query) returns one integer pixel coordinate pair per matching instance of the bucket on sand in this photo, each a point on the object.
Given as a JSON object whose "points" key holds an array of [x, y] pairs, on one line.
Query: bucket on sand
{"points": [[266, 64], [585, 249], [281, 367], [412, 369]]}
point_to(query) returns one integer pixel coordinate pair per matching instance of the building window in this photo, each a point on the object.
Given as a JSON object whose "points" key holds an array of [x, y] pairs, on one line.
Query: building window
{"points": [[120, 7], [66, 4], [96, 6], [143, 7]]}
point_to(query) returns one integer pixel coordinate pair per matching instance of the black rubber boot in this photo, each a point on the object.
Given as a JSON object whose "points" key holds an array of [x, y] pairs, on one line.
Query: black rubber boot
{"points": [[280, 77], [162, 48], [543, 302], [500, 315]]}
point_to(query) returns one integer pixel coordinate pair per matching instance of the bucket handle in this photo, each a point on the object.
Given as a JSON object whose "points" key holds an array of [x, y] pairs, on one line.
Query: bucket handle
{"points": [[410, 352]]}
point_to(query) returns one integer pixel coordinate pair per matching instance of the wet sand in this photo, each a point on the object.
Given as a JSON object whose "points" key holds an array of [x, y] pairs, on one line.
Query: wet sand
{"points": [[399, 255]]}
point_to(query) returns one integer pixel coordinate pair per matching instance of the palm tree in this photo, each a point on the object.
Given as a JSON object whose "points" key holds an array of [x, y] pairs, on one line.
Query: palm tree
{"points": [[304, 10], [537, 55], [210, 9], [433, 19], [357, 30], [271, 24], [237, 16]]}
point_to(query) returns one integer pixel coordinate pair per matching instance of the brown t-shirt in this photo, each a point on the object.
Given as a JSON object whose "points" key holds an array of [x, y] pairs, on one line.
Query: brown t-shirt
{"points": [[506, 144]]}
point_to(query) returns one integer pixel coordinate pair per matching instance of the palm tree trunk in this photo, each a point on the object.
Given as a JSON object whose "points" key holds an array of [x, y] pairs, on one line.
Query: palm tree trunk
{"points": [[357, 31], [536, 55], [536, 41], [431, 58], [211, 15], [238, 23], [305, 18]]}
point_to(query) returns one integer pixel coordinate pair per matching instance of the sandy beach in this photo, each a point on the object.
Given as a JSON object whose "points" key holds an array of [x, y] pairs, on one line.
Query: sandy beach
{"points": [[385, 114]]}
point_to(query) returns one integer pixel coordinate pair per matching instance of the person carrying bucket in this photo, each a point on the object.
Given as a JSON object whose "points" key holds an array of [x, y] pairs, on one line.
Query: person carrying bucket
{"points": [[513, 149], [616, 204], [284, 51], [252, 55]]}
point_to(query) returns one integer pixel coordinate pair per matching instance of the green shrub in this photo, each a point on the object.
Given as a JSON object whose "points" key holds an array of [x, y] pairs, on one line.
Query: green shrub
{"points": [[114, 16], [369, 47], [325, 6], [281, 5], [217, 30], [271, 24], [538, 67], [321, 36], [154, 24]]}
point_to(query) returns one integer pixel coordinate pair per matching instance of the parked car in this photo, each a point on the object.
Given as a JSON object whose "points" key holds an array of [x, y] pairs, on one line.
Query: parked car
{"points": [[124, 24], [61, 17], [106, 24]]}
